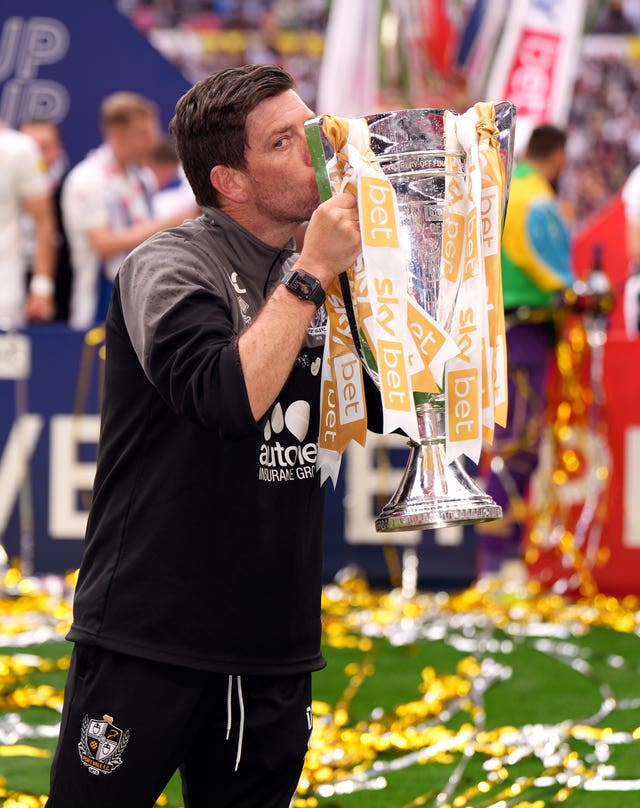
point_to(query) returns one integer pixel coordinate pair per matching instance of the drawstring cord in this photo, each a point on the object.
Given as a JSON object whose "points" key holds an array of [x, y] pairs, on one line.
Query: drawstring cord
{"points": [[241, 731], [241, 705], [229, 686]]}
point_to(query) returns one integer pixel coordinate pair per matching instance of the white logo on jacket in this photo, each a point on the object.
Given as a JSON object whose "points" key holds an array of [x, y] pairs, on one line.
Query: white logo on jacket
{"points": [[244, 310], [234, 282], [282, 462]]}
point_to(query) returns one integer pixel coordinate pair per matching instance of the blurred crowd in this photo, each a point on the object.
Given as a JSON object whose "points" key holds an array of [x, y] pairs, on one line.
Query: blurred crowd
{"points": [[200, 36], [217, 14], [604, 131]]}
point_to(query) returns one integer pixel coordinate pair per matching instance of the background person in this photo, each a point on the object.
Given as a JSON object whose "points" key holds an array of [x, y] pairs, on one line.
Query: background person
{"points": [[197, 610], [23, 189], [106, 203], [46, 135], [173, 192], [536, 265]]}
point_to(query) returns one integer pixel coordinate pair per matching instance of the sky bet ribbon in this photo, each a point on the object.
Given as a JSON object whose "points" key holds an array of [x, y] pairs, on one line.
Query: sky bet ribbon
{"points": [[471, 286], [343, 413]]}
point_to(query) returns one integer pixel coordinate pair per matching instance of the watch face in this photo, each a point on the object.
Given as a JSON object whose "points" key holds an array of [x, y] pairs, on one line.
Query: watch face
{"points": [[305, 286]]}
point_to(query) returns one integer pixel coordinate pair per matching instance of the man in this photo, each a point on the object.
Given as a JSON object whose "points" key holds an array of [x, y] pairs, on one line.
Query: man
{"points": [[197, 610], [535, 267], [46, 135], [23, 189], [106, 203]]}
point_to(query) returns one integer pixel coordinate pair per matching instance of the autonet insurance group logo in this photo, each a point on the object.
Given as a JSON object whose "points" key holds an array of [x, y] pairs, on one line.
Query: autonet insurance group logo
{"points": [[280, 459]]}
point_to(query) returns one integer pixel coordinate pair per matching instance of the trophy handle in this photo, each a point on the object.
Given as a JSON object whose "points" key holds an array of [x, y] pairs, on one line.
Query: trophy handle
{"points": [[320, 152]]}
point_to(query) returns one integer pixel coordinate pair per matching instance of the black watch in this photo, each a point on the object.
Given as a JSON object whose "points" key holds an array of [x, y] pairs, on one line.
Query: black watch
{"points": [[305, 286]]}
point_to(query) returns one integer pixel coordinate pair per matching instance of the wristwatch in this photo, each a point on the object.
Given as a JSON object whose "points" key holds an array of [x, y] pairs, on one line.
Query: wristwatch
{"points": [[305, 286]]}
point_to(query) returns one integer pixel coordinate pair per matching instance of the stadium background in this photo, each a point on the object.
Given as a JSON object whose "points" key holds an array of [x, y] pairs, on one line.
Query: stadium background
{"points": [[62, 66]]}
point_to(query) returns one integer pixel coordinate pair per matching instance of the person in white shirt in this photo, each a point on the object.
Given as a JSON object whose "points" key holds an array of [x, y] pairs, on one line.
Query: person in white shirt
{"points": [[106, 203], [46, 134], [24, 189]]}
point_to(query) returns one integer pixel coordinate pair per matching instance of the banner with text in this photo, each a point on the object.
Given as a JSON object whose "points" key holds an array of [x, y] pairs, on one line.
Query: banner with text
{"points": [[59, 60], [535, 63]]}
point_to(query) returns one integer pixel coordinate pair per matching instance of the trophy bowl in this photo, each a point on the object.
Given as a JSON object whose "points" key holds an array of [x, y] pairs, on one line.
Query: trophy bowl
{"points": [[409, 146]]}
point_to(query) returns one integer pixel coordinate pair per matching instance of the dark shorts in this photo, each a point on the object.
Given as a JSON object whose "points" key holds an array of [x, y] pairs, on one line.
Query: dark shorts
{"points": [[128, 724]]}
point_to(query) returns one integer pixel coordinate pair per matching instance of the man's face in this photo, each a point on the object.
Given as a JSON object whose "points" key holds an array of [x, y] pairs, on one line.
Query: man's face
{"points": [[279, 171], [138, 138], [559, 163]]}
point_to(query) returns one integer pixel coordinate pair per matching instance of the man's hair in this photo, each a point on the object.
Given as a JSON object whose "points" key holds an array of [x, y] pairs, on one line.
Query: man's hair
{"points": [[121, 108], [545, 140], [209, 125]]}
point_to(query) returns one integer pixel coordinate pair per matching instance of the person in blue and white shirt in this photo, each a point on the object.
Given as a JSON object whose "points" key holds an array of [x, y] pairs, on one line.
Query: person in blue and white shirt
{"points": [[106, 203]]}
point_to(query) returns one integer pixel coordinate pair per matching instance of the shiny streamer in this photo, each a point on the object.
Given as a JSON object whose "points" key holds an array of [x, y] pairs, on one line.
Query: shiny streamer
{"points": [[345, 758], [486, 621], [568, 505]]}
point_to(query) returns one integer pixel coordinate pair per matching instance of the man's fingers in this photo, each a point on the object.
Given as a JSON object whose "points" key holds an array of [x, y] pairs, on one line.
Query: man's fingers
{"points": [[346, 200]]}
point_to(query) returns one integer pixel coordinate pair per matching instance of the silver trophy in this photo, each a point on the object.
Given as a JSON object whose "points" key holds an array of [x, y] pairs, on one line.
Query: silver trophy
{"points": [[409, 147]]}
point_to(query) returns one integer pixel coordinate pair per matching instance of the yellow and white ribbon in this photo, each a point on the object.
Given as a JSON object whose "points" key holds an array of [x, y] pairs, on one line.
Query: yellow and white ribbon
{"points": [[343, 415], [492, 213], [475, 379]]}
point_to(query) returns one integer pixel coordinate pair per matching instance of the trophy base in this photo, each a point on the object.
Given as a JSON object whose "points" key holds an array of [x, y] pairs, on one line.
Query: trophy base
{"points": [[433, 493], [458, 502]]}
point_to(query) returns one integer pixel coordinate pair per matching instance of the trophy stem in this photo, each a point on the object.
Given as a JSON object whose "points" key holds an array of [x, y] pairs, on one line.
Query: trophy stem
{"points": [[433, 493]]}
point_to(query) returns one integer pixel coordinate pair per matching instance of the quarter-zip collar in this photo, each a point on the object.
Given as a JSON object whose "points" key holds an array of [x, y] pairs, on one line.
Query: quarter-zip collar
{"points": [[258, 259]]}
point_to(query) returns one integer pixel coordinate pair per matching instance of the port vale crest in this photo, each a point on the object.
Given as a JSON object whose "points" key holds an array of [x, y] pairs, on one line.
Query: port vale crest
{"points": [[102, 744]]}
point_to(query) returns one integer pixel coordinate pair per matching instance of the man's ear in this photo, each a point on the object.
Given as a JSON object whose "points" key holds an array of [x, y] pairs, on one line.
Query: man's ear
{"points": [[229, 183]]}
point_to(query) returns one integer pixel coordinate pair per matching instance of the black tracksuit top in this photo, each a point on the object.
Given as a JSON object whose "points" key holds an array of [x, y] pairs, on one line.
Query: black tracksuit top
{"points": [[203, 545]]}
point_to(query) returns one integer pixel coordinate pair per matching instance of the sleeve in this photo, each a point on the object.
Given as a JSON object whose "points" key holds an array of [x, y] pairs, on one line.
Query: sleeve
{"points": [[31, 179], [84, 203], [181, 327], [548, 240]]}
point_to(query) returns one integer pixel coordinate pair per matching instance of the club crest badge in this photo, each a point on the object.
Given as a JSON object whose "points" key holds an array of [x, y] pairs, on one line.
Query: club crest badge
{"points": [[102, 744]]}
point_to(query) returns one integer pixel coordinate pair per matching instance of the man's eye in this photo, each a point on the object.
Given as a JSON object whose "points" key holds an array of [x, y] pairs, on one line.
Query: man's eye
{"points": [[280, 142]]}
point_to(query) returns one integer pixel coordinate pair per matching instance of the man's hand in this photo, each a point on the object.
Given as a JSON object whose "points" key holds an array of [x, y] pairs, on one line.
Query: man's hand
{"points": [[332, 239], [39, 308]]}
